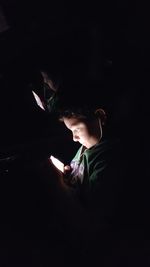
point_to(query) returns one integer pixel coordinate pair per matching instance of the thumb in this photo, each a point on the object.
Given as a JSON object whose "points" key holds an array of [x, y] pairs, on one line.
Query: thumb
{"points": [[67, 168]]}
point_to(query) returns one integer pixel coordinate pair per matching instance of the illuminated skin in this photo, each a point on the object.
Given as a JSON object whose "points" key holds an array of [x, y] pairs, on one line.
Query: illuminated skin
{"points": [[87, 134]]}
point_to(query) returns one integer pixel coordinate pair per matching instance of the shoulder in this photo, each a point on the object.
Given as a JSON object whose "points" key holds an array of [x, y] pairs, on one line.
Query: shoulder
{"points": [[106, 149], [103, 159]]}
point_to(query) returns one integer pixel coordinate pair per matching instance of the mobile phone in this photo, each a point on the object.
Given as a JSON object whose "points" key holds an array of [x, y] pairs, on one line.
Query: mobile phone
{"points": [[58, 164], [38, 100]]}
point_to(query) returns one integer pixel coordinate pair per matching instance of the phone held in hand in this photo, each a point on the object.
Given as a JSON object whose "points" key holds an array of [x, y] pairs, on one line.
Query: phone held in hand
{"points": [[58, 164]]}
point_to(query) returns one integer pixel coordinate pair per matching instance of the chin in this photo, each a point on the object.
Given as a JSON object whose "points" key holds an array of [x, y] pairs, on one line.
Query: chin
{"points": [[85, 145]]}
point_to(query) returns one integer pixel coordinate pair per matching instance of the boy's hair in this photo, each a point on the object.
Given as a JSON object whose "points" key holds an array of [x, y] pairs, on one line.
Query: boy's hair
{"points": [[84, 113], [81, 100]]}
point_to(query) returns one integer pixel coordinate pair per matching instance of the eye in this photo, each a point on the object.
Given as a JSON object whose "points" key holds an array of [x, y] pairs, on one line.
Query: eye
{"points": [[77, 130]]}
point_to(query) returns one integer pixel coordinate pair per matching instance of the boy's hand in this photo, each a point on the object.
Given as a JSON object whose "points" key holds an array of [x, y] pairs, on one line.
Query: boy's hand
{"points": [[67, 169]]}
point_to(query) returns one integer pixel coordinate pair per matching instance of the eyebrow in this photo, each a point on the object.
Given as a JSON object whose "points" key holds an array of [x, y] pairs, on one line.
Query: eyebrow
{"points": [[75, 125]]}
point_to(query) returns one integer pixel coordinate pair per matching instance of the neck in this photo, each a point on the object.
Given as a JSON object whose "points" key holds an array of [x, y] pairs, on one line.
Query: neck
{"points": [[93, 141]]}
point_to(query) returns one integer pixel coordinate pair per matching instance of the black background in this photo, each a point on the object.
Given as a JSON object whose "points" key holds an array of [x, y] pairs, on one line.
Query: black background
{"points": [[103, 43]]}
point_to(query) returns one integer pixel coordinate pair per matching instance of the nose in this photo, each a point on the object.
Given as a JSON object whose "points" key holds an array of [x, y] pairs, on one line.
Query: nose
{"points": [[75, 137]]}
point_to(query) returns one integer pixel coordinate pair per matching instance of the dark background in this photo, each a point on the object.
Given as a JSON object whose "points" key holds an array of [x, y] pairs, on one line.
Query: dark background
{"points": [[75, 41], [105, 44]]}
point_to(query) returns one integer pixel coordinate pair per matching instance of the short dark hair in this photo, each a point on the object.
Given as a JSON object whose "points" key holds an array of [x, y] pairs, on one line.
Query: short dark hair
{"points": [[84, 113], [80, 101]]}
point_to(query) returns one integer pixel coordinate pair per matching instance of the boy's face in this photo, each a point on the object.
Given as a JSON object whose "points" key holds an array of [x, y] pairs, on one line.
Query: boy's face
{"points": [[83, 132]]}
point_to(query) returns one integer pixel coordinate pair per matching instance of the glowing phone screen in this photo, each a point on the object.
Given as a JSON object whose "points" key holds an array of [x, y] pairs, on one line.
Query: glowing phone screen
{"points": [[58, 164]]}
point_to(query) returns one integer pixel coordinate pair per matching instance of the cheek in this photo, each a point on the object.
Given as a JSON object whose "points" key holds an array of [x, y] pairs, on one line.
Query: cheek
{"points": [[85, 134]]}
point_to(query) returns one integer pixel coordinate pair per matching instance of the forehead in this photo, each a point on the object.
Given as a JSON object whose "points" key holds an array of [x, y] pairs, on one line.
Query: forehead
{"points": [[70, 122]]}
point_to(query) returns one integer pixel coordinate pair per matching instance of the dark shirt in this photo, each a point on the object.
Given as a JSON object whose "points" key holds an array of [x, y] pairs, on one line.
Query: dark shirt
{"points": [[96, 177]]}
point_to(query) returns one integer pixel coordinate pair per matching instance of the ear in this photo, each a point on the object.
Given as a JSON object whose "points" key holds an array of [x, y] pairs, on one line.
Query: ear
{"points": [[101, 114]]}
